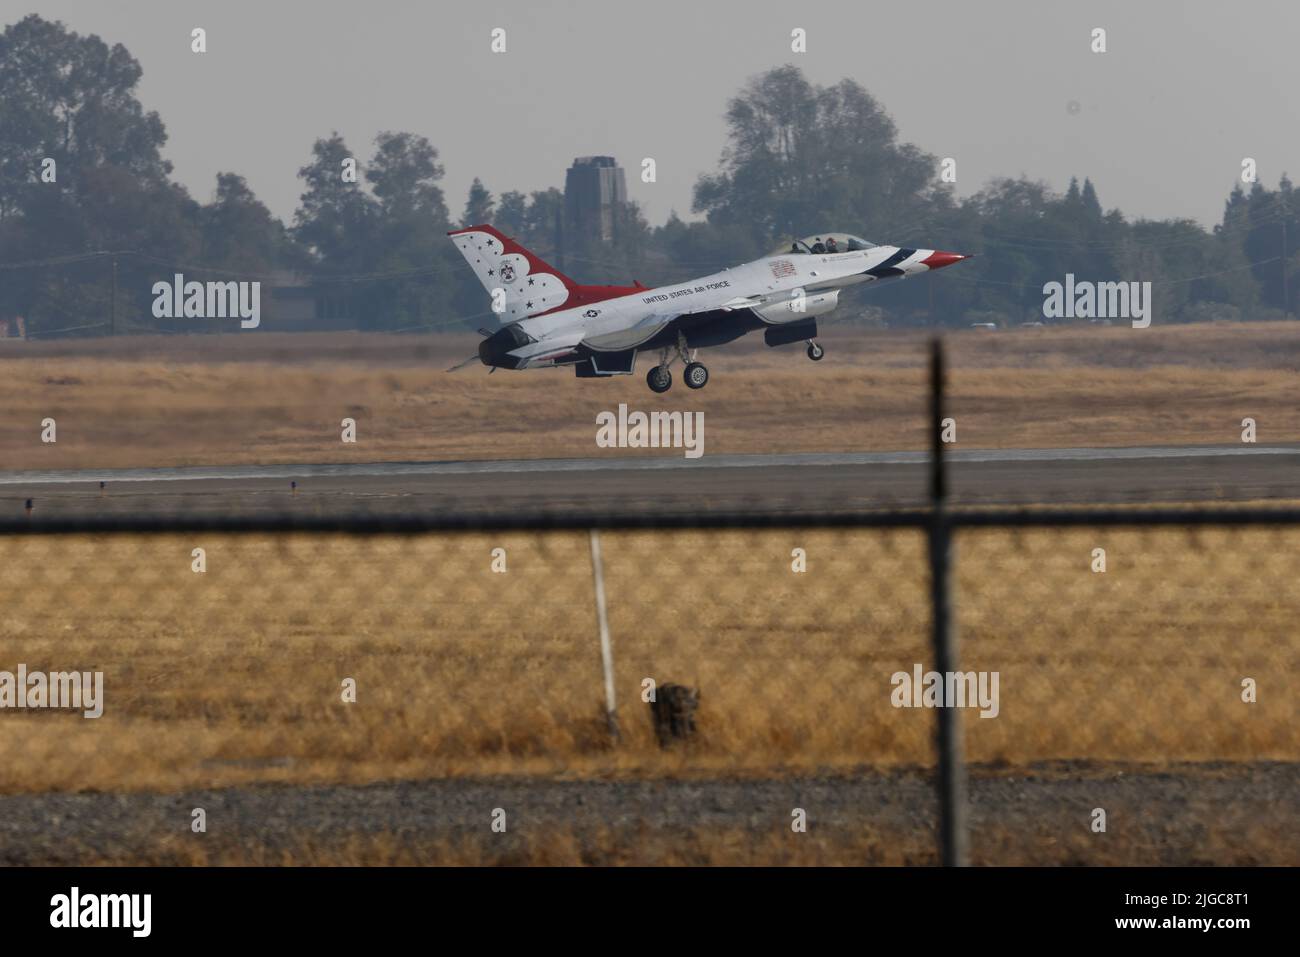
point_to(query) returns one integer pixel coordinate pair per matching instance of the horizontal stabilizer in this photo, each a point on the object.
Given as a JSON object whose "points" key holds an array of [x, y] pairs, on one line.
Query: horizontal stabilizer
{"points": [[561, 344]]}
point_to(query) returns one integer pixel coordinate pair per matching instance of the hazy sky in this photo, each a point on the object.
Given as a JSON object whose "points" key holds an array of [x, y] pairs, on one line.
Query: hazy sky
{"points": [[1161, 122]]}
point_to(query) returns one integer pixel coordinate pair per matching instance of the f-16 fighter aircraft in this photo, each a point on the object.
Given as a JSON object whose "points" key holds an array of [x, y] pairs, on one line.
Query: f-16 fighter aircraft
{"points": [[550, 320]]}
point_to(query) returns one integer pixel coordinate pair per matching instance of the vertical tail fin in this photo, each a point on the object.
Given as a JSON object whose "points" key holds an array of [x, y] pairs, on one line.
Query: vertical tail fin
{"points": [[521, 283]]}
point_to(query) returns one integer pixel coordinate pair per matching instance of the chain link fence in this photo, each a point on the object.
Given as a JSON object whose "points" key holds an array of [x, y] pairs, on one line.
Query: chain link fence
{"points": [[435, 690], [1146, 673]]}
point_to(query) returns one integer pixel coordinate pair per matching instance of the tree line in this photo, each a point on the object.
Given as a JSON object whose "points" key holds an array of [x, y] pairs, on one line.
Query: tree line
{"points": [[90, 215]]}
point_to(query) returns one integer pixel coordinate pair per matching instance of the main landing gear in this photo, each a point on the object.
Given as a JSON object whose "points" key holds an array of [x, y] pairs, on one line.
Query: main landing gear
{"points": [[659, 379], [695, 375], [815, 352]]}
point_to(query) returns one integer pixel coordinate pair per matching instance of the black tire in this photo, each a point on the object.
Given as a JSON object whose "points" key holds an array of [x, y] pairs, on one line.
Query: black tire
{"points": [[695, 375], [815, 352], [659, 379]]}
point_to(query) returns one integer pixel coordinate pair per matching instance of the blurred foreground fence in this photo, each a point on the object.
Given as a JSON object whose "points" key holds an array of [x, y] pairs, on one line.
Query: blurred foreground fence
{"points": [[1119, 683]]}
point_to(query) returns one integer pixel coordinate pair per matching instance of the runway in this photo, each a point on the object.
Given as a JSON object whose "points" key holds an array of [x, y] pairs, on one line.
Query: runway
{"points": [[669, 482], [1165, 812]]}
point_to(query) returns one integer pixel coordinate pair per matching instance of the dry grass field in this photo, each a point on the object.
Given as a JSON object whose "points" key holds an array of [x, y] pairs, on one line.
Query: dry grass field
{"points": [[225, 687], [240, 399], [233, 676]]}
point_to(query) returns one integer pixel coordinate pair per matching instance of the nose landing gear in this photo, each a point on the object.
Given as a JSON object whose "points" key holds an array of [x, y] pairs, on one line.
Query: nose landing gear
{"points": [[815, 352]]}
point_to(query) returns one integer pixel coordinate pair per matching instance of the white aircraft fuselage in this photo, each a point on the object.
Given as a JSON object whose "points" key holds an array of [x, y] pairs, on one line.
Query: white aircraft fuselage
{"points": [[551, 320]]}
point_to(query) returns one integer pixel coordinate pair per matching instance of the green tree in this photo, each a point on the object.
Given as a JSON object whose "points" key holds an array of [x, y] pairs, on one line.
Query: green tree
{"points": [[239, 232], [479, 205], [404, 175], [336, 217], [1271, 224], [512, 213], [802, 158], [1091, 204], [411, 251], [72, 99]]}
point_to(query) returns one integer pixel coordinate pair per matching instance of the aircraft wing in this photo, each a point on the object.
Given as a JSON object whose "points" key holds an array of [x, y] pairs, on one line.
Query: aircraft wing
{"points": [[646, 328], [632, 336]]}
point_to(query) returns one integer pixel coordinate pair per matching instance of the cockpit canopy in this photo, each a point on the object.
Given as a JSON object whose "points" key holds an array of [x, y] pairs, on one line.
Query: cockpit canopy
{"points": [[826, 243]]}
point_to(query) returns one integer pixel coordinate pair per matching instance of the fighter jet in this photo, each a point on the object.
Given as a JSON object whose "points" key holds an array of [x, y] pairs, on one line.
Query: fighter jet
{"points": [[550, 320]]}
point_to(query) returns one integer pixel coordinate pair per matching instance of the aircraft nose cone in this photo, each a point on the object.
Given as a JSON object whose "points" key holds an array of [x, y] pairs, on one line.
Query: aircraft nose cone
{"points": [[937, 260]]}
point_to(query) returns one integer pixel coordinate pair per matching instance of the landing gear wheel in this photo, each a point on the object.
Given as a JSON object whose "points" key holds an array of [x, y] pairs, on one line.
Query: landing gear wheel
{"points": [[659, 379], [815, 352], [695, 375]]}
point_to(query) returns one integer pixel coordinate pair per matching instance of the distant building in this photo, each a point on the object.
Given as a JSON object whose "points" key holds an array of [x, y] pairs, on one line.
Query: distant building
{"points": [[594, 193], [293, 303]]}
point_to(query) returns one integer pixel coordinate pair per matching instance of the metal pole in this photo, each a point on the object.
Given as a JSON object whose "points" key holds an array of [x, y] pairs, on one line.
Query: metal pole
{"points": [[1285, 297], [948, 741], [112, 307], [606, 649]]}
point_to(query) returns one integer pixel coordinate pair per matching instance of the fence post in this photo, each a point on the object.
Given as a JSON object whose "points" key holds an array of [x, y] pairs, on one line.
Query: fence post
{"points": [[602, 619], [952, 770]]}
